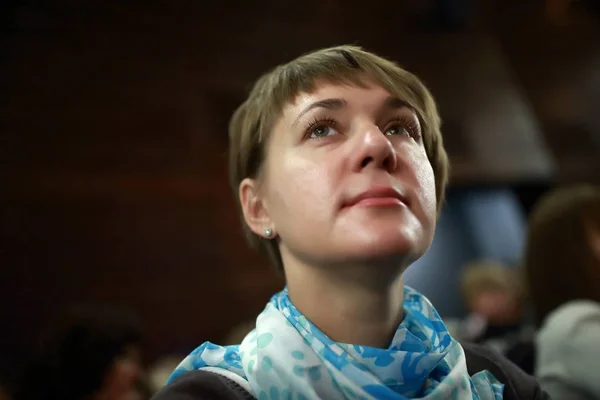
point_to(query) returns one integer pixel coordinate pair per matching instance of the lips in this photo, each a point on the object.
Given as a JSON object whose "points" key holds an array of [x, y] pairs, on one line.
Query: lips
{"points": [[378, 197]]}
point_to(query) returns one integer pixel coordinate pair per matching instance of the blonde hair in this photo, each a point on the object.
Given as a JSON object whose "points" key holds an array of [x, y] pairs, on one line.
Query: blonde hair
{"points": [[252, 123], [480, 276], [559, 261]]}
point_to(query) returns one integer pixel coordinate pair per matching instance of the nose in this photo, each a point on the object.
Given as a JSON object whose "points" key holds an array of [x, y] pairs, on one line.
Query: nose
{"points": [[374, 150]]}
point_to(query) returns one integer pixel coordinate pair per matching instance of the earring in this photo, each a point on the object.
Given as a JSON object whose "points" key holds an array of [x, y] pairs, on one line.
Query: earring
{"points": [[268, 232]]}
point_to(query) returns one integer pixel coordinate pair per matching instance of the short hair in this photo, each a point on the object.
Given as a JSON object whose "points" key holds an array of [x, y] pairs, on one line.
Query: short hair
{"points": [[253, 121], [559, 262], [480, 276]]}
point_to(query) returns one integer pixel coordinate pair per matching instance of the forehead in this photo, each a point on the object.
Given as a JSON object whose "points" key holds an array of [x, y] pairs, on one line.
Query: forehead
{"points": [[368, 94]]}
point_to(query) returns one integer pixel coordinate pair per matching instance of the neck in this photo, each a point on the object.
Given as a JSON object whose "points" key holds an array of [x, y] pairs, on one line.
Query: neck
{"points": [[348, 310]]}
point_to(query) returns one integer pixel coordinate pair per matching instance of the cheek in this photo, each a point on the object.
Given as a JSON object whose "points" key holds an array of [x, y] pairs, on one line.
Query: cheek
{"points": [[426, 181], [299, 184]]}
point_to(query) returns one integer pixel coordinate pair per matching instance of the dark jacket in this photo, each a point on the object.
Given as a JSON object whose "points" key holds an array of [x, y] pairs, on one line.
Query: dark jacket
{"points": [[201, 385]]}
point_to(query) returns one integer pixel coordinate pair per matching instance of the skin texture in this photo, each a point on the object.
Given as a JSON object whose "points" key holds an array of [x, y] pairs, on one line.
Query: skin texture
{"points": [[344, 261]]}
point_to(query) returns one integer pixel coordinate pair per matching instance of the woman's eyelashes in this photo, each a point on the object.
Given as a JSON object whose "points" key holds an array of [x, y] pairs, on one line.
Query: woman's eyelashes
{"points": [[321, 128], [404, 126]]}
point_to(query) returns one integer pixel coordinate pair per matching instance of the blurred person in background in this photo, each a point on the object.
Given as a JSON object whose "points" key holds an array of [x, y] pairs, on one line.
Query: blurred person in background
{"points": [[160, 370], [495, 296], [93, 354], [338, 167], [562, 265]]}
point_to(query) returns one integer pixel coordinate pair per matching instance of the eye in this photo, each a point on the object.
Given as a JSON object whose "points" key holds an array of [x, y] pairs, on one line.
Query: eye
{"points": [[404, 126], [322, 131], [321, 128], [397, 130]]}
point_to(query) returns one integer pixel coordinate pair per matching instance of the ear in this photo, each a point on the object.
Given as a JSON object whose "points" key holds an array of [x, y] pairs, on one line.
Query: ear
{"points": [[254, 208]]}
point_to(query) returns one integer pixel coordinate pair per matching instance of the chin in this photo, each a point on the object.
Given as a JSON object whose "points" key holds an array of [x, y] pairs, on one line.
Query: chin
{"points": [[376, 235], [386, 247]]}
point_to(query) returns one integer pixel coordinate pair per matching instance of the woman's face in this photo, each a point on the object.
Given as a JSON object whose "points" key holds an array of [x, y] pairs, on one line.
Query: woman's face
{"points": [[346, 179]]}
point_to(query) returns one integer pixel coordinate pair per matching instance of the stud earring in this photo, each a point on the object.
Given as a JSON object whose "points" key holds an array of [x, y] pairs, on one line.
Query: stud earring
{"points": [[268, 232]]}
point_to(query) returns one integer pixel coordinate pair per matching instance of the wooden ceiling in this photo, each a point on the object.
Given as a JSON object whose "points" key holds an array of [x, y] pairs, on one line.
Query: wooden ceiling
{"points": [[113, 134]]}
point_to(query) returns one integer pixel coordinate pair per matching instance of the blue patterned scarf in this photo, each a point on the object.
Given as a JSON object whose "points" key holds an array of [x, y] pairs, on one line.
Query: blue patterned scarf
{"points": [[287, 357]]}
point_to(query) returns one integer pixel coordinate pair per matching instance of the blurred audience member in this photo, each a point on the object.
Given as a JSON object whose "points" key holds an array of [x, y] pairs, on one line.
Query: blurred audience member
{"points": [[160, 371], [563, 271], [494, 295], [93, 355]]}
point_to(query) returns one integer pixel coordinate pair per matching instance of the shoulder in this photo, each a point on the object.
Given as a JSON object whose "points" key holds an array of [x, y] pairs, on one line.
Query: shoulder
{"points": [[571, 328], [567, 350], [568, 318], [203, 385], [517, 384], [573, 312]]}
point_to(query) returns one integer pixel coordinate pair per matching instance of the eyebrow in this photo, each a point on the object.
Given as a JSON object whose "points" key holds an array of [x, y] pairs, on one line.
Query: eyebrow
{"points": [[330, 104], [391, 102], [395, 103]]}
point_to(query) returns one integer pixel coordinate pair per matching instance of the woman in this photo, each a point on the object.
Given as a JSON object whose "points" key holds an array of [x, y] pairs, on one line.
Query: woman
{"points": [[563, 270], [337, 162]]}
